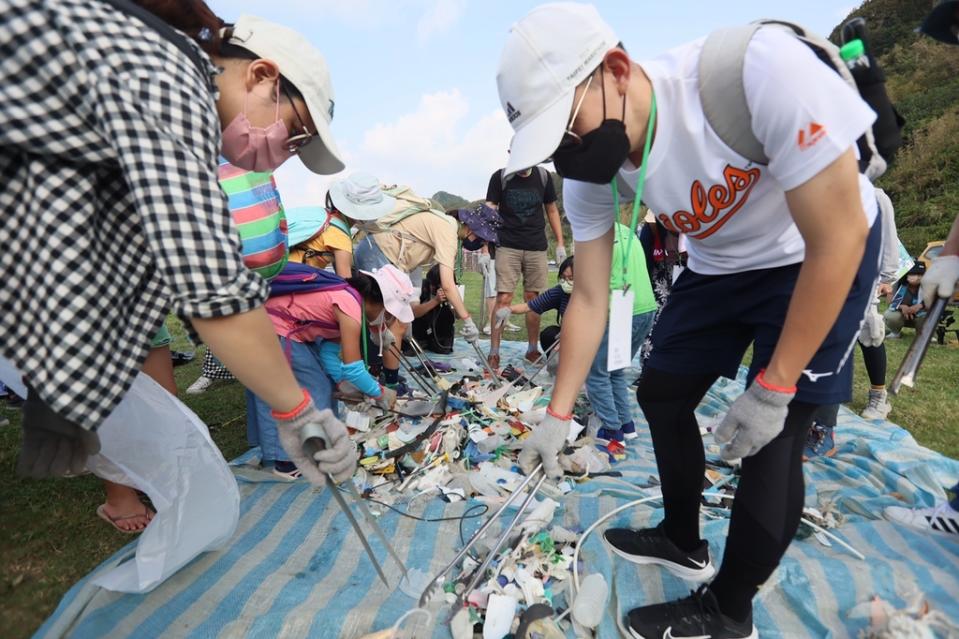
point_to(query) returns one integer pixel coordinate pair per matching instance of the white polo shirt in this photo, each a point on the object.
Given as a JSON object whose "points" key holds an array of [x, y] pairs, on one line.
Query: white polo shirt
{"points": [[732, 211]]}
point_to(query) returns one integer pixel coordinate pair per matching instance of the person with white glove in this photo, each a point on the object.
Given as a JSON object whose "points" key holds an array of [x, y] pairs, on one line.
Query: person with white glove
{"points": [[942, 276], [782, 257], [337, 457], [469, 331], [545, 444]]}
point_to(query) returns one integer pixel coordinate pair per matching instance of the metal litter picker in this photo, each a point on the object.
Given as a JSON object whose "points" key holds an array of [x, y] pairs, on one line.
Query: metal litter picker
{"points": [[313, 439]]}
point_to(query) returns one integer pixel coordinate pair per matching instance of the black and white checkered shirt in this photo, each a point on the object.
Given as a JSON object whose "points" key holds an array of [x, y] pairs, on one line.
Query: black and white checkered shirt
{"points": [[110, 210]]}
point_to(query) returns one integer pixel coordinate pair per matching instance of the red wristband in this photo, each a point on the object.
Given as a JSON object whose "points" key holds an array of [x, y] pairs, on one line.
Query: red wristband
{"points": [[296, 411], [552, 413], [761, 380]]}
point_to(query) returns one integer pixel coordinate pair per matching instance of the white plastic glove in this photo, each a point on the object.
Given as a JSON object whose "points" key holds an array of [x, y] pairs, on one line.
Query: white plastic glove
{"points": [[337, 454], [754, 419], [940, 279], [501, 317], [873, 327], [545, 445], [560, 254], [469, 331]]}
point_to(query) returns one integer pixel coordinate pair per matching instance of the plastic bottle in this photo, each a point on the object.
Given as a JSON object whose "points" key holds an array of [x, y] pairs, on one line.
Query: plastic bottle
{"points": [[853, 53]]}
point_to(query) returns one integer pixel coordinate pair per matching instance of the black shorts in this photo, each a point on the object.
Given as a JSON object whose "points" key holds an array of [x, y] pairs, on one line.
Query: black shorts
{"points": [[709, 321]]}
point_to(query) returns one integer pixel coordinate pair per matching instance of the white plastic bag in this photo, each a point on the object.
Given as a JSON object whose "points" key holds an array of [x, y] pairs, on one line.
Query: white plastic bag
{"points": [[154, 443]]}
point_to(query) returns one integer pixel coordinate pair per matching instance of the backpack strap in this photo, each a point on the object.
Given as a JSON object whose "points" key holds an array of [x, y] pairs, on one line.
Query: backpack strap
{"points": [[722, 93]]}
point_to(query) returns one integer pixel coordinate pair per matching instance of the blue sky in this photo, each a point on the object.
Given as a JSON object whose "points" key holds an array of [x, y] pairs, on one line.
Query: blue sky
{"points": [[415, 80]]}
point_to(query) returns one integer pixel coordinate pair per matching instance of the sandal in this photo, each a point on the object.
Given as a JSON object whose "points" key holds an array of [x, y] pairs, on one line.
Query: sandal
{"points": [[114, 521]]}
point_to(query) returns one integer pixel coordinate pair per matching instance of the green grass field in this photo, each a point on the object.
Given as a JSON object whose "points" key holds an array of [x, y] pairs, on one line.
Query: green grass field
{"points": [[50, 536]]}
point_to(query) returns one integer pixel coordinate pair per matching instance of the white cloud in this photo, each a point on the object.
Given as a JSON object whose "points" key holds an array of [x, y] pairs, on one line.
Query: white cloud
{"points": [[439, 17], [436, 147]]}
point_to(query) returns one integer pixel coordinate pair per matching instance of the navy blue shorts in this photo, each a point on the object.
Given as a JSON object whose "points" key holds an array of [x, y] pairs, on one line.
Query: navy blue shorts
{"points": [[710, 320]]}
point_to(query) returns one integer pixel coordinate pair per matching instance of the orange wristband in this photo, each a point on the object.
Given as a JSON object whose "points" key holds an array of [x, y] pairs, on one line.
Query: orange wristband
{"points": [[552, 413], [296, 411], [761, 380]]}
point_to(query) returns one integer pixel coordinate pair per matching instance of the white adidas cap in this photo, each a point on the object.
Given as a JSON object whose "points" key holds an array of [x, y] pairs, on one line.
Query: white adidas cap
{"points": [[547, 54], [304, 66]]}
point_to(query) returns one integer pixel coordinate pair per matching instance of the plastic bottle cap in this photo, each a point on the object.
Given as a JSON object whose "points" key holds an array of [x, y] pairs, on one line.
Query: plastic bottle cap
{"points": [[852, 50]]}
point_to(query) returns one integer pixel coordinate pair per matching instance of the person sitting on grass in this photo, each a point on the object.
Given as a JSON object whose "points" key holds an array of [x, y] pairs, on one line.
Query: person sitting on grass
{"points": [[906, 308], [321, 332]]}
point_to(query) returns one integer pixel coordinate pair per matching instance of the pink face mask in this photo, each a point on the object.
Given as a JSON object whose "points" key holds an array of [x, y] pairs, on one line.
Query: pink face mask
{"points": [[255, 148]]}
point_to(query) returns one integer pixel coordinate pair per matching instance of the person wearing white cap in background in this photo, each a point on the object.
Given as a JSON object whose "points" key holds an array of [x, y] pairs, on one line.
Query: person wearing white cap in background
{"points": [[114, 171], [782, 256], [406, 241], [321, 329]]}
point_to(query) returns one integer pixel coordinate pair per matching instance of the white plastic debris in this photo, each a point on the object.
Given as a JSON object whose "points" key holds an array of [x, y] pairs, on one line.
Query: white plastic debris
{"points": [[500, 611], [590, 603], [541, 516], [460, 626], [575, 428]]}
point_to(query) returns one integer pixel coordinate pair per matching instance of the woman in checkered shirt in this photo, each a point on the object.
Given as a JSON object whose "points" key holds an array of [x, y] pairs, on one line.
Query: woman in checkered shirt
{"points": [[110, 128]]}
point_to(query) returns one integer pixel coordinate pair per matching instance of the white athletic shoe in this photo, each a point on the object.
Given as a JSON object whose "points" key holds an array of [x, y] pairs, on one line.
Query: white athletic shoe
{"points": [[942, 517], [878, 406], [201, 385], [512, 328], [487, 330]]}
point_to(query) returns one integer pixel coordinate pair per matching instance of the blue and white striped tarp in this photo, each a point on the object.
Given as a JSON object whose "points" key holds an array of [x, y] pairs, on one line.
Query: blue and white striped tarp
{"points": [[295, 569]]}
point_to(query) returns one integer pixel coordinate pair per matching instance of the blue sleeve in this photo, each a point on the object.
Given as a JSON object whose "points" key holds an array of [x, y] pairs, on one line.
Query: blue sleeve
{"points": [[359, 376], [548, 300], [330, 360]]}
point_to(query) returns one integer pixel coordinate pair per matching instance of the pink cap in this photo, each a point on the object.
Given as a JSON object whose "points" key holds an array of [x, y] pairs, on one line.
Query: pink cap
{"points": [[397, 289]]}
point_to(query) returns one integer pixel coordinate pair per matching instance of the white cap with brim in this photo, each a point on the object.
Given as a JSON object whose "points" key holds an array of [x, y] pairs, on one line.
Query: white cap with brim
{"points": [[397, 291], [361, 197], [547, 54], [305, 67]]}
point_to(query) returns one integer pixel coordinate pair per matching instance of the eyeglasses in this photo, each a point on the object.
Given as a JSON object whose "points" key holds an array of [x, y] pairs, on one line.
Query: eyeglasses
{"points": [[298, 140], [571, 139]]}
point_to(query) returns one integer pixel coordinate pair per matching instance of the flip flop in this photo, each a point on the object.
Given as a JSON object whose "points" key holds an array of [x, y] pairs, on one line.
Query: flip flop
{"points": [[113, 521]]}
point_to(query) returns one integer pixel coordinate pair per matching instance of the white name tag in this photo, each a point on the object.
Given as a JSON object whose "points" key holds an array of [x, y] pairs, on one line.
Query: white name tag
{"points": [[619, 349]]}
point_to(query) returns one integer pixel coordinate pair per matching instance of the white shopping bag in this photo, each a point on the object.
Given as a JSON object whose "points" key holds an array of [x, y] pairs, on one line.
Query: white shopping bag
{"points": [[154, 443]]}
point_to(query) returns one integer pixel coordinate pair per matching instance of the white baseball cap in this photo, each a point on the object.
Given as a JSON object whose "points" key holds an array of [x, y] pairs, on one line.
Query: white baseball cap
{"points": [[547, 54], [361, 197], [305, 67]]}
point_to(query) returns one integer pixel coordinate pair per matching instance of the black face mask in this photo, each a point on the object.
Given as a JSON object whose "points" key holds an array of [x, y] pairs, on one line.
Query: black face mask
{"points": [[473, 245], [600, 154]]}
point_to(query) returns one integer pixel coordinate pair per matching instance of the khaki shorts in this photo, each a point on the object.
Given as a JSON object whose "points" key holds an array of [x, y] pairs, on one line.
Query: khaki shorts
{"points": [[511, 263]]}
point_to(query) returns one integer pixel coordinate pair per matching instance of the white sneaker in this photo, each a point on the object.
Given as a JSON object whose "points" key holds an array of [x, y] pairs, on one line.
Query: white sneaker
{"points": [[201, 385], [878, 407], [487, 330], [512, 328], [942, 517]]}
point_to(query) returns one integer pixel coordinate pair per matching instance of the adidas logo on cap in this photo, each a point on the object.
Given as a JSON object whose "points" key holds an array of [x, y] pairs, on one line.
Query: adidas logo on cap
{"points": [[511, 112]]}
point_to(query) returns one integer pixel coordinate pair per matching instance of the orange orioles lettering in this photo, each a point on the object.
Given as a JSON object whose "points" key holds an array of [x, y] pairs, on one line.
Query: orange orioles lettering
{"points": [[714, 206]]}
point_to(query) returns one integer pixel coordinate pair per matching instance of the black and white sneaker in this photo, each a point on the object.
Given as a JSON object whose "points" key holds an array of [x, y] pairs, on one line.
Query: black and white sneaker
{"points": [[652, 546], [695, 617]]}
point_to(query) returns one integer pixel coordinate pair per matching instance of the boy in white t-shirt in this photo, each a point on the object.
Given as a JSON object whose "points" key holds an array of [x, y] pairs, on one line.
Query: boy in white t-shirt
{"points": [[781, 256]]}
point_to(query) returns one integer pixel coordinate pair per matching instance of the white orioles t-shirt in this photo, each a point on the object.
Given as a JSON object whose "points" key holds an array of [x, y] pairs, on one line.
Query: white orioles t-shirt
{"points": [[733, 212]]}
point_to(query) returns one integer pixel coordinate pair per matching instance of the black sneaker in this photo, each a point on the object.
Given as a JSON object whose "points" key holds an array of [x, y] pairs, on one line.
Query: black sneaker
{"points": [[652, 546], [697, 616]]}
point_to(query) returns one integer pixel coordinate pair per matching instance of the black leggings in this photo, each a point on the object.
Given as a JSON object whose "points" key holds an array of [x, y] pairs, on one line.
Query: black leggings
{"points": [[769, 499], [875, 359]]}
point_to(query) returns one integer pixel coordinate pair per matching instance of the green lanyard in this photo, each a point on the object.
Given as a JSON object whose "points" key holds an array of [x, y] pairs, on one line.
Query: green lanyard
{"points": [[640, 183]]}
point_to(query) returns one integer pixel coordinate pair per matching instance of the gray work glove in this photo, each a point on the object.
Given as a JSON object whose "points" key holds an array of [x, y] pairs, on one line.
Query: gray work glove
{"points": [[336, 456], [560, 254], [484, 262], [501, 317], [940, 279], [52, 446], [387, 398], [754, 420], [545, 444], [384, 339], [873, 329], [469, 331]]}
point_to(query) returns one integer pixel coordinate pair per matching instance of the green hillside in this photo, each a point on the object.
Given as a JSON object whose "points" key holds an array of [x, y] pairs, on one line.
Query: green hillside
{"points": [[923, 82]]}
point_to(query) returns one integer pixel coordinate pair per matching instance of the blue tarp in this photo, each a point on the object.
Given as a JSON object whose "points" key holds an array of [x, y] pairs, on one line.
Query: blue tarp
{"points": [[295, 569]]}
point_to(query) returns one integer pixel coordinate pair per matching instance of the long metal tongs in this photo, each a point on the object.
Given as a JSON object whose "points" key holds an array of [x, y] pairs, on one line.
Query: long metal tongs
{"points": [[428, 388], [437, 581], [313, 440], [493, 396]]}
